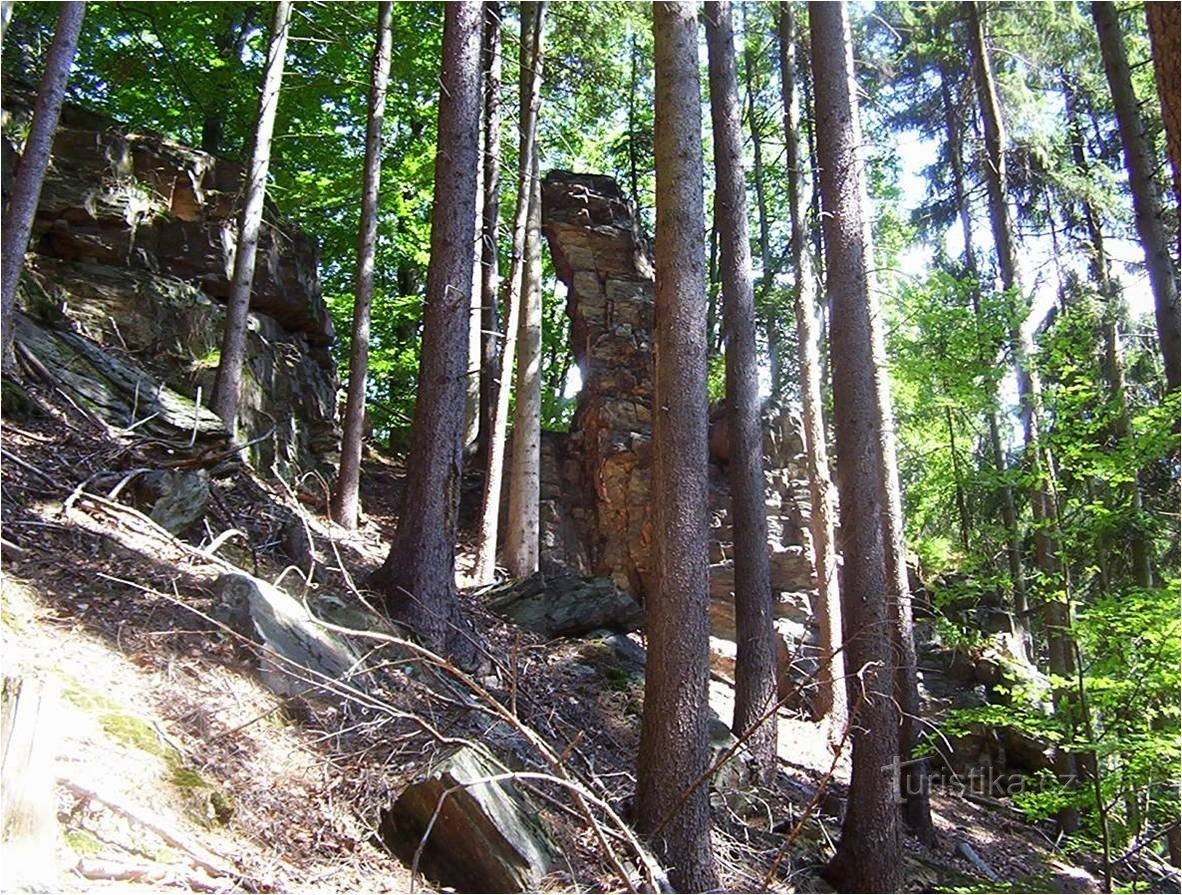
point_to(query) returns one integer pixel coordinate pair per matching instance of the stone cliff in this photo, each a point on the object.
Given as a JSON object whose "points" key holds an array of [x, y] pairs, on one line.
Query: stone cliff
{"points": [[133, 248], [596, 479]]}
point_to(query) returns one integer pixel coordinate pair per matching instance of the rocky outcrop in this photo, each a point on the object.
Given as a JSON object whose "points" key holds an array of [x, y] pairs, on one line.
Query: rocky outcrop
{"points": [[596, 480], [133, 247]]}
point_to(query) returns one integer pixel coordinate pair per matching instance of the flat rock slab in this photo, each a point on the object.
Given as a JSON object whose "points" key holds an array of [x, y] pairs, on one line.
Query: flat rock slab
{"points": [[566, 605], [486, 836], [270, 616]]}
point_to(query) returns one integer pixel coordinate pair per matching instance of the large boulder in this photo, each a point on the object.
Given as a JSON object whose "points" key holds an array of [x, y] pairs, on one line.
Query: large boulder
{"points": [[477, 830], [300, 652]]}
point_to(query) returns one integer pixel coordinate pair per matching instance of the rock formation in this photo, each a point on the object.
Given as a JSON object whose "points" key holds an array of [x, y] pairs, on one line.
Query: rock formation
{"points": [[133, 247], [596, 480]]}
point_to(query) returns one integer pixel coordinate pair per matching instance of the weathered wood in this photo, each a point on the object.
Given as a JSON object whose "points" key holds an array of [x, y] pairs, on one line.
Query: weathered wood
{"points": [[28, 817], [966, 851], [195, 852]]}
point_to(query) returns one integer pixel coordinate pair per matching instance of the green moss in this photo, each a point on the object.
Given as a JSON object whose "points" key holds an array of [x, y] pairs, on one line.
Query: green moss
{"points": [[222, 804], [83, 843], [184, 777], [131, 731]]}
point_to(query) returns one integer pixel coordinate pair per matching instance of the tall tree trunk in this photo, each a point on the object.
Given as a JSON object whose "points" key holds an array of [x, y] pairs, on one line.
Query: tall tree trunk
{"points": [[228, 385], [490, 231], [766, 275], [1009, 512], [418, 577], [674, 751], [755, 659], [830, 701], [869, 855], [1165, 40], [344, 499], [30, 172], [475, 318], [525, 474], [1056, 613], [1163, 276], [532, 27], [1113, 363]]}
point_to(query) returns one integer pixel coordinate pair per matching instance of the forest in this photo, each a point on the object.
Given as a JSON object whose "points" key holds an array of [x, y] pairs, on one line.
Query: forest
{"points": [[591, 446]]}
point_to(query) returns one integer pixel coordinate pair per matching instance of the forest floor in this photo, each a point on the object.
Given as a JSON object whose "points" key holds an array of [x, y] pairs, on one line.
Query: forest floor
{"points": [[162, 725]]}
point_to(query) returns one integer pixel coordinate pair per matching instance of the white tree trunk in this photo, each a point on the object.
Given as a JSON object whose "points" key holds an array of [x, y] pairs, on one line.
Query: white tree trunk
{"points": [[525, 476]]}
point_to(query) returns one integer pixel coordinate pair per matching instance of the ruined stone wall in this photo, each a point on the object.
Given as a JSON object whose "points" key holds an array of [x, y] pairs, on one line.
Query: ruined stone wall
{"points": [[596, 480], [133, 246]]}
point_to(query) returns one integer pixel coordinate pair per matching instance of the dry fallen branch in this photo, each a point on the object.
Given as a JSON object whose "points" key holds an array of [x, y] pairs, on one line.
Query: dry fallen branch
{"points": [[196, 853]]}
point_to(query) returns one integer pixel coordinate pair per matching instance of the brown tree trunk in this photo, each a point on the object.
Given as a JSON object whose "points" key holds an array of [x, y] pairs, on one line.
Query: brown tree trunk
{"points": [[532, 26], [674, 749], [228, 384], [1163, 276], [1009, 513], [525, 474], [1113, 362], [490, 230], [830, 701], [1165, 40], [1056, 614], [344, 498], [418, 577], [869, 855], [30, 171], [755, 658]]}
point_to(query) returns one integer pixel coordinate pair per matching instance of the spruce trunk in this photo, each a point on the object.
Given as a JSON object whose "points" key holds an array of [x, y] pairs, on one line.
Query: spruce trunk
{"points": [[344, 499], [868, 858], [1147, 212], [418, 577], [755, 659], [830, 701], [30, 172], [674, 750]]}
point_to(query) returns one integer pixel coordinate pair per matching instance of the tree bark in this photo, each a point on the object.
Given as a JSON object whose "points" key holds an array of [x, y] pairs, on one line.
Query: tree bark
{"points": [[228, 385], [30, 171], [868, 857], [830, 701], [344, 498], [674, 751], [1112, 366], [1009, 513], [1163, 276], [755, 659], [1056, 614], [525, 474], [418, 577], [532, 26], [1165, 40], [490, 231]]}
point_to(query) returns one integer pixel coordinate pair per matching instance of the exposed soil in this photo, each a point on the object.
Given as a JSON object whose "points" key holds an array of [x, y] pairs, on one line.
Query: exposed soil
{"points": [[162, 708]]}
